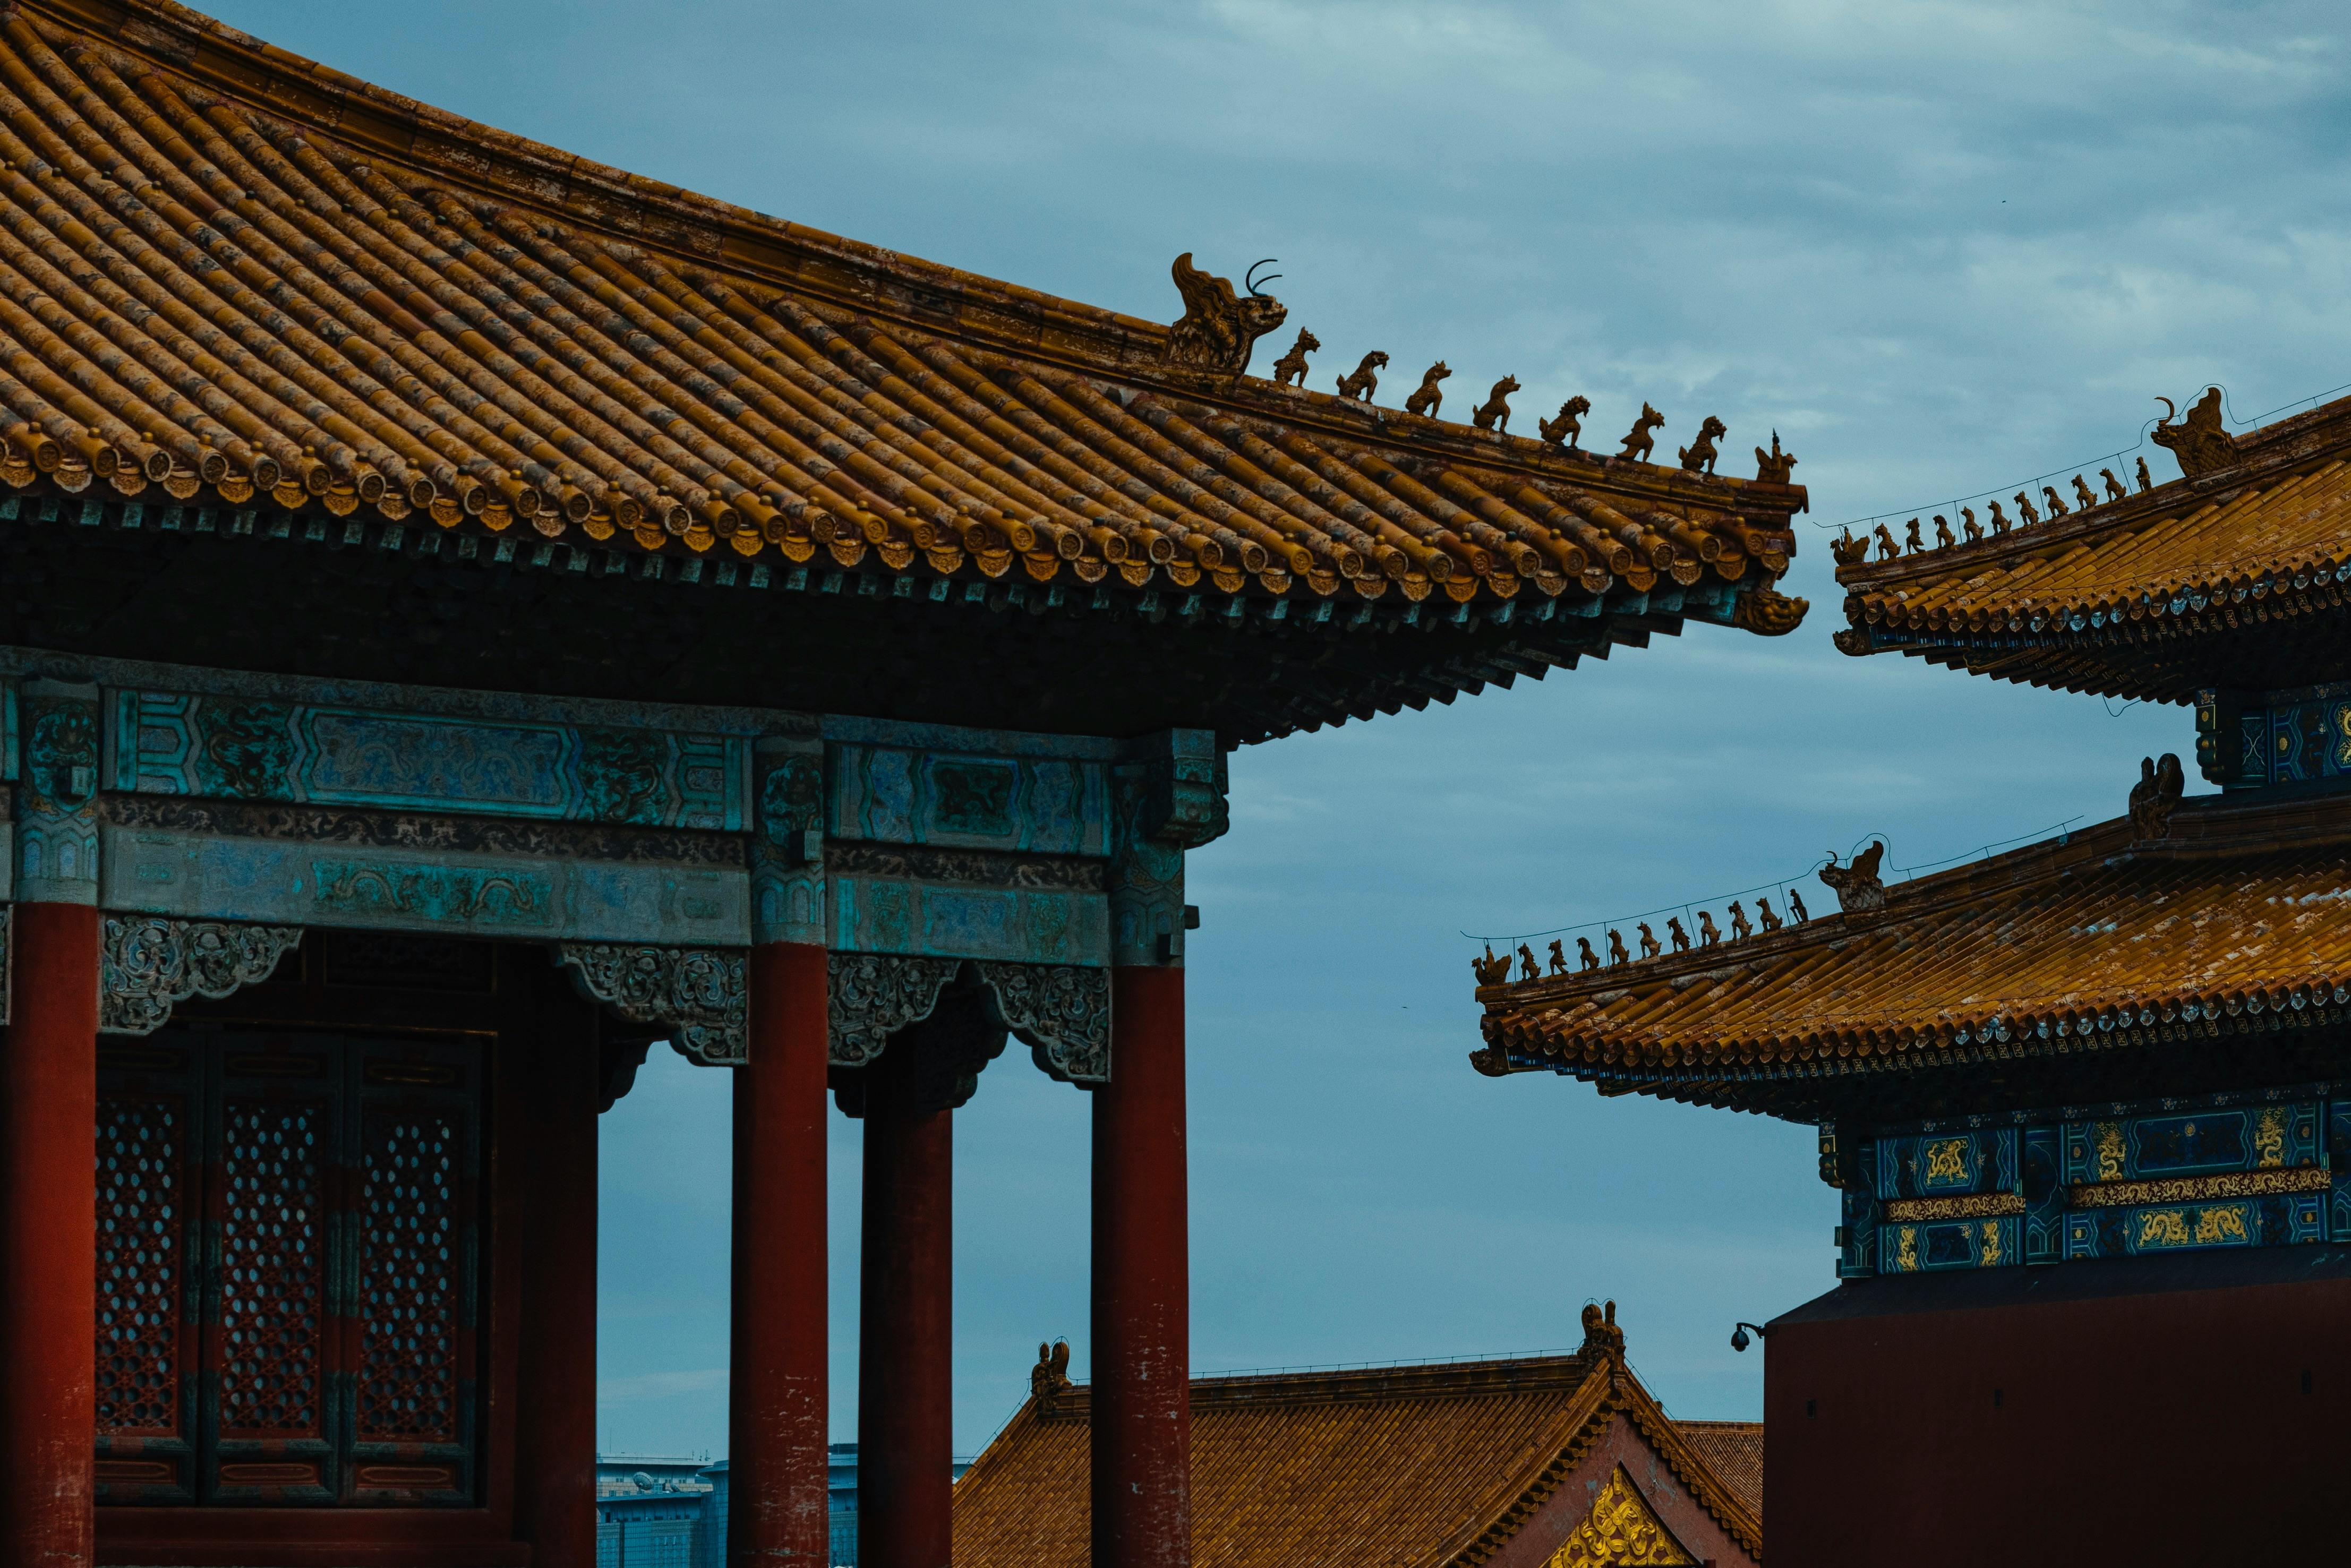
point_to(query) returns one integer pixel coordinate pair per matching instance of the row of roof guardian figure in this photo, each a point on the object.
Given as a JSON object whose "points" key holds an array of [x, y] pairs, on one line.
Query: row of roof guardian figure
{"points": [[1219, 326], [2199, 441], [1857, 884]]}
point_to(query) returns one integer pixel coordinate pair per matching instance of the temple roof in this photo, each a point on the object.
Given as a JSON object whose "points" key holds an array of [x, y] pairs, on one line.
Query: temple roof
{"points": [[1411, 1465], [2074, 962], [2233, 578], [230, 277]]}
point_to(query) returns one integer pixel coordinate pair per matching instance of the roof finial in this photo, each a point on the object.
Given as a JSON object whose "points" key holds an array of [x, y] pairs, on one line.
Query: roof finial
{"points": [[1050, 1375]]}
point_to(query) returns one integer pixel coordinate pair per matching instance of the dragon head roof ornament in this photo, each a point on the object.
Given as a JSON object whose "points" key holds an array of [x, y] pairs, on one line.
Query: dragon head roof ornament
{"points": [[1219, 327]]}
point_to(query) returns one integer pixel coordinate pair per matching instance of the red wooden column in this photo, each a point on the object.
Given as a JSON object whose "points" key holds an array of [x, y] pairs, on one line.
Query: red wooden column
{"points": [[777, 1410], [905, 1438], [1142, 1282], [554, 1479], [49, 1144], [1167, 797]]}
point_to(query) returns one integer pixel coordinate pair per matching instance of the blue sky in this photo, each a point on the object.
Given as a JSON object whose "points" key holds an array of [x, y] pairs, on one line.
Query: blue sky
{"points": [[1940, 248]]}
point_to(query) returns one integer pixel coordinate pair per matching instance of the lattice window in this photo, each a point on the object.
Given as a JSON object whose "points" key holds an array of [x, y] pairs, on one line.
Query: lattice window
{"points": [[140, 1212], [287, 1236], [272, 1264], [408, 1277]]}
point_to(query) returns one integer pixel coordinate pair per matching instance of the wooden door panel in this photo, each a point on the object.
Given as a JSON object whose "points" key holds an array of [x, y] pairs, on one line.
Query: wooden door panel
{"points": [[147, 1322]]}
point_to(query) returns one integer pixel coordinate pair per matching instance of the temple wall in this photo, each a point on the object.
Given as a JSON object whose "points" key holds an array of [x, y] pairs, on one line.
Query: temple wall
{"points": [[2152, 1409]]}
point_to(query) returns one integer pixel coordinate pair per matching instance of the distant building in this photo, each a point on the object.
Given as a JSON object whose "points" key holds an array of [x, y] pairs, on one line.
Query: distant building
{"points": [[1547, 1461], [657, 1512]]}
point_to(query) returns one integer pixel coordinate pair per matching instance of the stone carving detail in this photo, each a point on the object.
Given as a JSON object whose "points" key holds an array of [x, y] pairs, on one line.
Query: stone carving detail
{"points": [[1219, 327], [1060, 1012], [148, 964], [697, 993], [2154, 796], [2198, 441], [1857, 884], [872, 996], [1769, 613]]}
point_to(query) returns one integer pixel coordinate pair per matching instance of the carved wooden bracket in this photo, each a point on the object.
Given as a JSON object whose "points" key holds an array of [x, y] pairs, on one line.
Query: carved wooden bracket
{"points": [[1061, 1012], [147, 964], [697, 993]]}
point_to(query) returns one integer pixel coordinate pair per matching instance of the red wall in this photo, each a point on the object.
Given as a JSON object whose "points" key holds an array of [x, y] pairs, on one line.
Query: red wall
{"points": [[2088, 1412]]}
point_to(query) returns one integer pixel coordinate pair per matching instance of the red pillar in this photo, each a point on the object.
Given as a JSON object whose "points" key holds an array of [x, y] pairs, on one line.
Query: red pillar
{"points": [[1141, 1283], [905, 1438], [49, 1230], [555, 1481], [776, 1411]]}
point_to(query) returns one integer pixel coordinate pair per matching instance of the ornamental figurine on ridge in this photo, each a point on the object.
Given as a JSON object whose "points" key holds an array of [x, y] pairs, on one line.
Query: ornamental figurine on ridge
{"points": [[1699, 457], [1638, 442], [1361, 382], [1773, 467], [1558, 958], [1494, 410], [1674, 929], [1293, 365], [1219, 327], [1856, 883], [1427, 400], [1568, 428], [2198, 442], [1584, 955]]}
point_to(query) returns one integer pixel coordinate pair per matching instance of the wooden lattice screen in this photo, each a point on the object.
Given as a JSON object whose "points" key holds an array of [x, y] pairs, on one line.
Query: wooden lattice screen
{"points": [[287, 1245]]}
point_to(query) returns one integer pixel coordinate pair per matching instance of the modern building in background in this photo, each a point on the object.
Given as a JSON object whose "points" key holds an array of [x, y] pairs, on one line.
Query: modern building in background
{"points": [[671, 1512]]}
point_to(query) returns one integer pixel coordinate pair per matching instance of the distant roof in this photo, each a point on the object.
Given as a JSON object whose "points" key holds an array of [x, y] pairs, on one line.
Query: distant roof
{"points": [[2081, 956], [2233, 576], [229, 276], [1409, 1466]]}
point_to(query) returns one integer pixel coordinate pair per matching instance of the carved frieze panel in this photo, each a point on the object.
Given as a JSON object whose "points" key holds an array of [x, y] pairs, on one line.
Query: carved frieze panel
{"points": [[269, 748], [147, 964], [967, 903], [695, 992], [194, 873], [972, 799]]}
